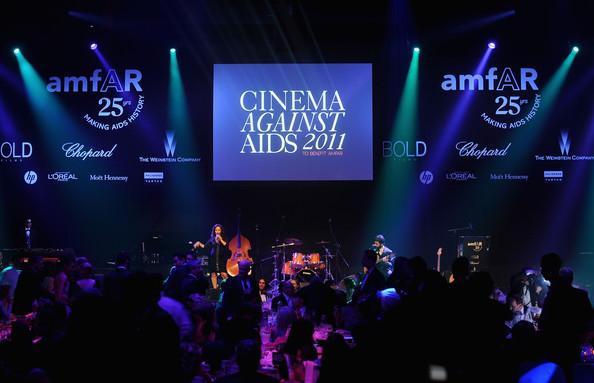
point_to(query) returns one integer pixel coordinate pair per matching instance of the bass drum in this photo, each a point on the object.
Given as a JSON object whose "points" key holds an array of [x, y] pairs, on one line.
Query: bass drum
{"points": [[306, 276]]}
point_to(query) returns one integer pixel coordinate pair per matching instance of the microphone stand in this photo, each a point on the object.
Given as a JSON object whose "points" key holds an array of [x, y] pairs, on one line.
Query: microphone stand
{"points": [[338, 252], [274, 284]]}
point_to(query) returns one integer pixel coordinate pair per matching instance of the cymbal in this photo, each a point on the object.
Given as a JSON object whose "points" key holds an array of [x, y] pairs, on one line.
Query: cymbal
{"points": [[294, 241]]}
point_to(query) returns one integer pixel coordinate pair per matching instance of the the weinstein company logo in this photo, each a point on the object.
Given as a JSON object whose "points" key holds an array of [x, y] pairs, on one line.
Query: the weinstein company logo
{"points": [[564, 143], [564, 148], [170, 145]]}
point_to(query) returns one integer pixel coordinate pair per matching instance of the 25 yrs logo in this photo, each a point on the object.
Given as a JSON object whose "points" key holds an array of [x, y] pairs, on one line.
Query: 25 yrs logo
{"points": [[514, 95], [117, 99]]}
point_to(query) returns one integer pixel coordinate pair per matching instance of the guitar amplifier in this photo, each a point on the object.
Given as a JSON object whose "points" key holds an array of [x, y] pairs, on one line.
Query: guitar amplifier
{"points": [[477, 249]]}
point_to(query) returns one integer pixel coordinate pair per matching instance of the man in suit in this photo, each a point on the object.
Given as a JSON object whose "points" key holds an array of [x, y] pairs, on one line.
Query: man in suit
{"points": [[239, 290], [195, 282], [284, 298], [565, 314], [374, 280]]}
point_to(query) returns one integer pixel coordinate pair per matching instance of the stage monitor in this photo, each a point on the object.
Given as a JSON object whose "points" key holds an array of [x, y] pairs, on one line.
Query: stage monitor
{"points": [[292, 122]]}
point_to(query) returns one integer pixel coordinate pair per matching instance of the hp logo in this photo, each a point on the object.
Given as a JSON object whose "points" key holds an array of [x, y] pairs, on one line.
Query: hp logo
{"points": [[426, 177], [30, 177]]}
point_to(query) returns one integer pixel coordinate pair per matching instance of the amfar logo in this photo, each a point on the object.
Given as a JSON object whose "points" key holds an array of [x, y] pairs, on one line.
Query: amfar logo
{"points": [[515, 97], [426, 177], [460, 176], [30, 177], [153, 177], [62, 177], [77, 150], [120, 102], [553, 175], [410, 150], [13, 152]]}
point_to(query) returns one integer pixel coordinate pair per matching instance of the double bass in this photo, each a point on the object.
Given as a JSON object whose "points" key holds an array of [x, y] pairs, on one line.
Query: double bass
{"points": [[239, 247]]}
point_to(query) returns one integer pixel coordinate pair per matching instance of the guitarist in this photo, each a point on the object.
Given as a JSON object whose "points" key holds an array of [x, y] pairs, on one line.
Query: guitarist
{"points": [[218, 253], [385, 261]]}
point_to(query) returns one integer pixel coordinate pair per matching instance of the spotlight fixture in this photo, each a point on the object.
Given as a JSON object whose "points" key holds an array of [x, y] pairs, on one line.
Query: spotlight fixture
{"points": [[491, 45], [93, 46], [172, 51], [576, 49], [416, 49], [16, 51]]}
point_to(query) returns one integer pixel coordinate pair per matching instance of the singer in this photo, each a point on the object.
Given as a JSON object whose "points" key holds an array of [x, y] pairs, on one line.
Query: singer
{"points": [[218, 253]]}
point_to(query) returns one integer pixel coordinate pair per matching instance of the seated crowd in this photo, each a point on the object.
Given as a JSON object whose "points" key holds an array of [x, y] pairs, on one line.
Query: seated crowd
{"points": [[414, 326]]}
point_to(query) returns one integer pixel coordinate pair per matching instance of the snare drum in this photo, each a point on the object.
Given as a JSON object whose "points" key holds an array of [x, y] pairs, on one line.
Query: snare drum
{"points": [[306, 275]]}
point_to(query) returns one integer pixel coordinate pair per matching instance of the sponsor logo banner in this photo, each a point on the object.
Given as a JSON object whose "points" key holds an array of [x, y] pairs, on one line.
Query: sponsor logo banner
{"points": [[508, 177], [62, 177], [460, 176], [107, 178], [404, 150], [471, 149], [564, 148], [553, 175], [153, 177], [426, 177], [30, 177], [15, 152], [78, 150], [170, 145]]}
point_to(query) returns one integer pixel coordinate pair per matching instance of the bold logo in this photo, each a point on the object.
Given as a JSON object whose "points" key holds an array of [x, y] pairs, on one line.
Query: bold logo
{"points": [[12, 152], [170, 144], [153, 177], [404, 149], [107, 178], [564, 143], [62, 177], [460, 176], [509, 177], [517, 101], [426, 177], [472, 150], [30, 177], [120, 100], [553, 175], [564, 148], [77, 150]]}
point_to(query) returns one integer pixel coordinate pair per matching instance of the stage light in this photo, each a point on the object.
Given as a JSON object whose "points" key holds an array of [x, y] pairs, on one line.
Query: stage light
{"points": [[172, 51], [16, 51], [491, 45], [576, 49], [93, 46], [416, 49]]}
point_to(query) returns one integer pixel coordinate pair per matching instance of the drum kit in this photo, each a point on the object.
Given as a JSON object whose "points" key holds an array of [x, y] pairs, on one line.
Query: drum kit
{"points": [[292, 263]]}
